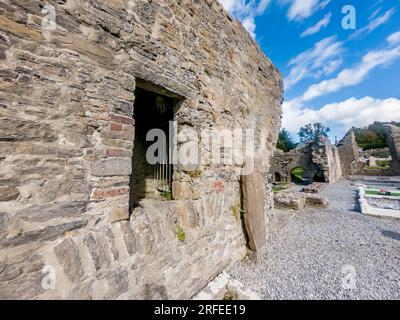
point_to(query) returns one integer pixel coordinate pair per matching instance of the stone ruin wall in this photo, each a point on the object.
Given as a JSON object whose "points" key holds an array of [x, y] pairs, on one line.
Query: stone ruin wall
{"points": [[312, 157], [66, 141], [351, 162], [326, 157], [393, 139], [377, 153]]}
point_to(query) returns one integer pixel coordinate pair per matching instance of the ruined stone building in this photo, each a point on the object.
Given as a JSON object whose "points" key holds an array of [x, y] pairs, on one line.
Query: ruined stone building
{"points": [[80, 216], [350, 155], [319, 159], [354, 160], [393, 141]]}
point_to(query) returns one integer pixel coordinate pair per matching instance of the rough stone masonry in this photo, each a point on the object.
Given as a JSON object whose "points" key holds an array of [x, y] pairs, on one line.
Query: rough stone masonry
{"points": [[67, 127]]}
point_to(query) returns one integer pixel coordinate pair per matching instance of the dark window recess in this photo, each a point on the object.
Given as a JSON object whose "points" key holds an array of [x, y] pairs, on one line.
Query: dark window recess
{"points": [[152, 110]]}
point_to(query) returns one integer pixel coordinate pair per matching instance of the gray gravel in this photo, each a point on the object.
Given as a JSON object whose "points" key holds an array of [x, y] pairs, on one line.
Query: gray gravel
{"points": [[312, 255], [384, 203]]}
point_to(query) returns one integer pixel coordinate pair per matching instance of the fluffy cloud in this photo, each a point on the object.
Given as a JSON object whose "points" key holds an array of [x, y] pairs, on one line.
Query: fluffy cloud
{"points": [[318, 26], [353, 76], [394, 38], [322, 59], [301, 9], [246, 11], [374, 23], [348, 113]]}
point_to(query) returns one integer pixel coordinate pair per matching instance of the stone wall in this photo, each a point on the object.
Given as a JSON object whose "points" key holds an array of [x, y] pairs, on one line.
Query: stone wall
{"points": [[326, 158], [349, 153], [316, 157], [377, 153], [66, 142], [393, 139]]}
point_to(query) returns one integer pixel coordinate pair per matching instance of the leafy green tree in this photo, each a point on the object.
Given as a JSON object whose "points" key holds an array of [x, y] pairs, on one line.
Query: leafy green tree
{"points": [[373, 136], [285, 141], [312, 132]]}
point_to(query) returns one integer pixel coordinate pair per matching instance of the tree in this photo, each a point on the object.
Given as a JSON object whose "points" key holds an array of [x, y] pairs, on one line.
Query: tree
{"points": [[285, 141], [373, 136], [312, 132]]}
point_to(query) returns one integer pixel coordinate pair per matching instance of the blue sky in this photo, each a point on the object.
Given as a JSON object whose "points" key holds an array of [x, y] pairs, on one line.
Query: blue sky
{"points": [[340, 77]]}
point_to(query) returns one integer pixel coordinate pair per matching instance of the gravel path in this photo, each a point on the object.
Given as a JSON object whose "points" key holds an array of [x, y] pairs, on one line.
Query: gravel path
{"points": [[384, 203], [317, 252]]}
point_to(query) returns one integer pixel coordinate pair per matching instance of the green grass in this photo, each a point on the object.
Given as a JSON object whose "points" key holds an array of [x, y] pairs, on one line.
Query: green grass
{"points": [[166, 195], [383, 163], [278, 189], [376, 168], [297, 174], [180, 233], [377, 193]]}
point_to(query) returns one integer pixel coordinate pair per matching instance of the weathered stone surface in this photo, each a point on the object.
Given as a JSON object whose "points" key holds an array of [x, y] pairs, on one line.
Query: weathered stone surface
{"points": [[112, 167], [44, 234], [8, 193], [129, 237], [319, 159], [92, 246], [298, 200], [113, 246], [349, 154], [315, 187], [118, 283], [253, 205], [43, 213], [393, 139], [312, 200], [68, 257], [68, 126], [289, 200], [118, 214], [25, 130]]}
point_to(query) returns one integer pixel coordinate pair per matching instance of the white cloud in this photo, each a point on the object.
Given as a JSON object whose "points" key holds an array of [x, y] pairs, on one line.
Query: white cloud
{"points": [[375, 23], [394, 38], [353, 76], [348, 113], [318, 26], [246, 11], [322, 59], [301, 9]]}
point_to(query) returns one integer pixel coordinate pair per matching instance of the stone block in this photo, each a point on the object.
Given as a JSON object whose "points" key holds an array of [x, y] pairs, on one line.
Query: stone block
{"points": [[291, 201], [112, 167], [118, 214], [129, 237], [313, 201], [253, 205], [68, 256], [43, 234], [8, 194]]}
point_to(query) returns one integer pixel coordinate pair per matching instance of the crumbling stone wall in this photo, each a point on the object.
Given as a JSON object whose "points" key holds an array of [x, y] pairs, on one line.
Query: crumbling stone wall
{"points": [[314, 157], [393, 140], [349, 153], [326, 158], [66, 142], [377, 153]]}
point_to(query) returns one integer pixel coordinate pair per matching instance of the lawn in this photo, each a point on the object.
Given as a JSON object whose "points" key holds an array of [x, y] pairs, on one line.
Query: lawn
{"points": [[377, 193], [298, 173]]}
